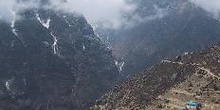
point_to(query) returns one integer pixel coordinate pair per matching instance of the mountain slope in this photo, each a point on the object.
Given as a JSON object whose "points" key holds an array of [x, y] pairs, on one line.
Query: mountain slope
{"points": [[170, 84], [51, 60], [159, 26]]}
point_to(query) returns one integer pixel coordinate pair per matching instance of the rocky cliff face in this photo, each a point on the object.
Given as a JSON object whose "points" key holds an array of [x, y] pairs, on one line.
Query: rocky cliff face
{"points": [[51, 60], [167, 28], [170, 84]]}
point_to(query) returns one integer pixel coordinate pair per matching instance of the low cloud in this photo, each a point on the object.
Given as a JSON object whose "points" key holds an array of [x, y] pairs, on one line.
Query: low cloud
{"points": [[110, 14], [6, 12], [9, 8], [212, 6], [157, 13], [105, 12]]}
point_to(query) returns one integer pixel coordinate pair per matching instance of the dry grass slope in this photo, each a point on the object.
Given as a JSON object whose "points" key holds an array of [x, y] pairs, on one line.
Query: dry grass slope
{"points": [[169, 85]]}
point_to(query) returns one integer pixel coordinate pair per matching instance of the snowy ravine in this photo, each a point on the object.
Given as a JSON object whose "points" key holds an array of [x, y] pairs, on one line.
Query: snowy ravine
{"points": [[45, 23], [13, 29], [54, 45], [120, 66], [13, 24]]}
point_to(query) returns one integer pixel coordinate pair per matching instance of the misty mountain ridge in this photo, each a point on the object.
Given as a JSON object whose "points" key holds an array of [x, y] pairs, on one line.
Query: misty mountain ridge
{"points": [[165, 24]]}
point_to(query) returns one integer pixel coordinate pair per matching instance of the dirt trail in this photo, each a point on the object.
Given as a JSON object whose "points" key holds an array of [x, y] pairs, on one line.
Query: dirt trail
{"points": [[181, 63], [195, 64], [209, 72]]}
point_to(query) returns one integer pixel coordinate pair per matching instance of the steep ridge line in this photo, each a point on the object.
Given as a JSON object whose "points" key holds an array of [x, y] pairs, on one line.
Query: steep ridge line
{"points": [[209, 72], [194, 64], [180, 63]]}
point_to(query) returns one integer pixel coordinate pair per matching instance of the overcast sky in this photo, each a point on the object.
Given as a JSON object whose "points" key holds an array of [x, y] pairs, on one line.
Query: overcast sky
{"points": [[96, 11]]}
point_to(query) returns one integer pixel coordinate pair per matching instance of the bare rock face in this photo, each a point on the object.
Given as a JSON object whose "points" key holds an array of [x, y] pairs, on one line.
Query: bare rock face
{"points": [[170, 84], [51, 60]]}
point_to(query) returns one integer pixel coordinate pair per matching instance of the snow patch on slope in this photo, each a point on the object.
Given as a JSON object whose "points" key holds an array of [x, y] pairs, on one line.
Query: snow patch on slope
{"points": [[54, 45], [13, 24], [120, 65], [13, 29], [7, 84], [45, 23], [84, 47]]}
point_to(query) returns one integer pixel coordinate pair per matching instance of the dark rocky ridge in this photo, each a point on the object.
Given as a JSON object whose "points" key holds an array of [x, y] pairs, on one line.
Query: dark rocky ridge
{"points": [[51, 60], [170, 84]]}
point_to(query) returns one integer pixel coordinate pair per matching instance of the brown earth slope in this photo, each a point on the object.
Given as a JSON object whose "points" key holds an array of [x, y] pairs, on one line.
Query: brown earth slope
{"points": [[169, 85]]}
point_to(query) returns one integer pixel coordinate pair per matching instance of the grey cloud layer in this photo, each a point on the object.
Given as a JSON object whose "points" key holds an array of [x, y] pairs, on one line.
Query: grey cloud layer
{"points": [[105, 12], [212, 6], [96, 11], [8, 8]]}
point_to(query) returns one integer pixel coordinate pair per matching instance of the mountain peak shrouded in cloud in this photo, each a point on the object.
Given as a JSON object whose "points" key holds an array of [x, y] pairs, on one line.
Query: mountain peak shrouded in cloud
{"points": [[10, 8], [105, 12]]}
